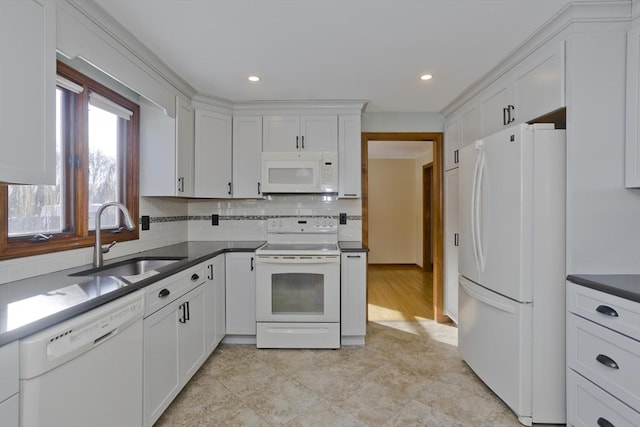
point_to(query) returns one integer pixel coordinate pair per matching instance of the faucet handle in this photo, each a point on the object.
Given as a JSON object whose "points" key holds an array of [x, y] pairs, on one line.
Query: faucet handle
{"points": [[106, 250]]}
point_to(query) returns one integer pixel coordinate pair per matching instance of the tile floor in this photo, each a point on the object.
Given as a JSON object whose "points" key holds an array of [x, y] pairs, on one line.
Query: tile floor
{"points": [[408, 374]]}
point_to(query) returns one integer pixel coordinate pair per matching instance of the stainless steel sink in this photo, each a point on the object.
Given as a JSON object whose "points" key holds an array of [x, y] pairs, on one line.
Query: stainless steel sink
{"points": [[130, 267]]}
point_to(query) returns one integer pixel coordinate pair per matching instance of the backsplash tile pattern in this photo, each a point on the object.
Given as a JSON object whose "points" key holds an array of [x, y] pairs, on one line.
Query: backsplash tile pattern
{"points": [[175, 220]]}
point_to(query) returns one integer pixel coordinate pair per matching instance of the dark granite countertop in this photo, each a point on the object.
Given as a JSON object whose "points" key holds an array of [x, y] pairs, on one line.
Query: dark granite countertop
{"points": [[31, 305], [622, 285], [352, 246]]}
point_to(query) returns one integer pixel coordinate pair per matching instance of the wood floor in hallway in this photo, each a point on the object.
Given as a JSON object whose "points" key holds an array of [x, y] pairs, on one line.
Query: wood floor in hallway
{"points": [[399, 292]]}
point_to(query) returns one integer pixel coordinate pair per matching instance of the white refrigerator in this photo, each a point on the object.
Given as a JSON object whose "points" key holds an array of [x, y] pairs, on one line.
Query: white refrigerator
{"points": [[511, 303]]}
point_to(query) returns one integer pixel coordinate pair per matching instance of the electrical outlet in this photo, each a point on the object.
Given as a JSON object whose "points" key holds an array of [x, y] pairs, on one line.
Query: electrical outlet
{"points": [[215, 219], [146, 222], [343, 218]]}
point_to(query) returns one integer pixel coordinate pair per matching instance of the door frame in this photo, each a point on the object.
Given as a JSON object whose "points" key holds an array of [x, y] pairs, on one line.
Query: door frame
{"points": [[427, 238], [437, 210]]}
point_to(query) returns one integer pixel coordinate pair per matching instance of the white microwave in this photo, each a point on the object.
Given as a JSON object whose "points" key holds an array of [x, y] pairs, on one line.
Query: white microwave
{"points": [[299, 172]]}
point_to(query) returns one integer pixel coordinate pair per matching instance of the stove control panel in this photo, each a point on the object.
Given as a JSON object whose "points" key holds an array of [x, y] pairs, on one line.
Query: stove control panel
{"points": [[302, 225]]}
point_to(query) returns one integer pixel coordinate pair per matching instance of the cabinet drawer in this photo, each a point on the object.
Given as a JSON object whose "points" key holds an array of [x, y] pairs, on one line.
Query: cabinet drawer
{"points": [[167, 290], [607, 358], [9, 368], [589, 405], [616, 313]]}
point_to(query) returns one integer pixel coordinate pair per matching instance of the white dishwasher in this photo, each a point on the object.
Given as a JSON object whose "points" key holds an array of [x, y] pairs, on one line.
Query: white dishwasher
{"points": [[86, 371]]}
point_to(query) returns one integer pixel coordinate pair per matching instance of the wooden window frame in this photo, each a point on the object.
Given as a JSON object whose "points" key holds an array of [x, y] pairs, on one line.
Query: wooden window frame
{"points": [[81, 237]]}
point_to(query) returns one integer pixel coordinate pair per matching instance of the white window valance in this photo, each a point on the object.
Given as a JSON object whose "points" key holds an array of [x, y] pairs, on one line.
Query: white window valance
{"points": [[68, 84], [106, 104]]}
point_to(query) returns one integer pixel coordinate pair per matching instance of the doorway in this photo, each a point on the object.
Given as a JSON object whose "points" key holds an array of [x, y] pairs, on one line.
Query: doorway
{"points": [[436, 211], [427, 235]]}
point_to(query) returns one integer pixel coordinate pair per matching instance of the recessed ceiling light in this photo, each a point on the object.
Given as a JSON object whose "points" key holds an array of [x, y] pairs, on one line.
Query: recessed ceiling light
{"points": [[426, 77], [254, 78]]}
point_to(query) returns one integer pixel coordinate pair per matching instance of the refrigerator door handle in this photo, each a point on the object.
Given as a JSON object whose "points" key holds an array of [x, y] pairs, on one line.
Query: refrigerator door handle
{"points": [[478, 211], [476, 295], [474, 186]]}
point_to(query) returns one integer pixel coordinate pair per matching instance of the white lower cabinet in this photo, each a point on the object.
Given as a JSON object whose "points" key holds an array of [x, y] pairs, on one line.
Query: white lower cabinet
{"points": [[353, 292], [603, 359], [241, 294], [215, 326], [9, 385], [174, 341], [451, 244]]}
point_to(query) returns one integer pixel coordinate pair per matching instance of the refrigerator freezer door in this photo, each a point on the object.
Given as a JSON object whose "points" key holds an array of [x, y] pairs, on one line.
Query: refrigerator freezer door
{"points": [[495, 339]]}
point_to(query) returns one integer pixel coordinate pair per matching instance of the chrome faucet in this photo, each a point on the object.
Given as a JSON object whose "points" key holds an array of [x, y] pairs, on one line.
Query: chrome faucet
{"points": [[98, 250]]}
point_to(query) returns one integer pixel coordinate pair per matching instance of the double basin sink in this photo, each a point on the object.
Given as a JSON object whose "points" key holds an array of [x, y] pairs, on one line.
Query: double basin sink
{"points": [[130, 268]]}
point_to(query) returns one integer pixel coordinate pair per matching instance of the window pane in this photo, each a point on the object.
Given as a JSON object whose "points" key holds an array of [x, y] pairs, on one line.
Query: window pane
{"points": [[37, 209], [105, 129]]}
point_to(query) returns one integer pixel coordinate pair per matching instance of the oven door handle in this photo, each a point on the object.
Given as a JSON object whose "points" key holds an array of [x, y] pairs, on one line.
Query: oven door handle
{"points": [[298, 260]]}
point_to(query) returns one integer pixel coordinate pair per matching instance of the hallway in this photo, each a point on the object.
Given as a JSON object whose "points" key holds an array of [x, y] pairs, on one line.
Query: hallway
{"points": [[399, 292]]}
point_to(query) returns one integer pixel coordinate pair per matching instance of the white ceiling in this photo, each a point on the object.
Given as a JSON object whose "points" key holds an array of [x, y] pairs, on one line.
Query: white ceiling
{"points": [[398, 149], [371, 50]]}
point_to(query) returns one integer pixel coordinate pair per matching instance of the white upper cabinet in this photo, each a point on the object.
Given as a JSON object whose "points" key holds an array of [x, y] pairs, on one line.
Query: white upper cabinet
{"points": [[247, 148], [349, 156], [27, 92], [300, 133], [452, 142], [470, 124], [533, 88], [632, 154], [212, 154], [166, 150]]}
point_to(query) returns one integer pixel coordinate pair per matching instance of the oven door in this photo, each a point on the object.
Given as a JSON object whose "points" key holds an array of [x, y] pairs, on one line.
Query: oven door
{"points": [[298, 288]]}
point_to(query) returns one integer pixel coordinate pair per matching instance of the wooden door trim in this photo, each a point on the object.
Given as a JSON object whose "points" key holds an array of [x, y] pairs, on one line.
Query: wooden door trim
{"points": [[438, 204], [427, 238]]}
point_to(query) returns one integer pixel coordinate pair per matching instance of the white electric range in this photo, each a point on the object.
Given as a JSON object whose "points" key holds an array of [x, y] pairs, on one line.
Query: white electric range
{"points": [[298, 284]]}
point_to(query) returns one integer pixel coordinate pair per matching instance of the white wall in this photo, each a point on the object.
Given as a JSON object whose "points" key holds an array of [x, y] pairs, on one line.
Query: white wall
{"points": [[402, 122]]}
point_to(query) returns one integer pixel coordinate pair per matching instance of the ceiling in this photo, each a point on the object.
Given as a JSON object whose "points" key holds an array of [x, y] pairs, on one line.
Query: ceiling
{"points": [[372, 50]]}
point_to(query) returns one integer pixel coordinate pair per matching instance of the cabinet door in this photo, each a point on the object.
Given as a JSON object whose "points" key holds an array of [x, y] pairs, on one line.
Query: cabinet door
{"points": [[157, 151], [538, 83], [27, 91], [10, 411], [240, 293], [349, 156], [451, 244], [452, 137], [470, 125], [319, 133], [161, 376], [353, 284], [247, 150], [280, 133], [215, 324], [212, 154], [191, 333], [184, 147], [494, 103], [632, 153]]}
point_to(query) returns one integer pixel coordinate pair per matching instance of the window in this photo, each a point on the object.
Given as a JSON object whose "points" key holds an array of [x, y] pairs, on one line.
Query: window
{"points": [[97, 162]]}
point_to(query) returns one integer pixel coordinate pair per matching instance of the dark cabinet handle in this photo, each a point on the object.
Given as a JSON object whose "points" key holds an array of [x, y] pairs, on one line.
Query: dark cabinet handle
{"points": [[183, 307], [353, 256], [164, 293], [252, 266], [607, 361], [194, 277], [504, 116], [181, 185], [229, 188], [303, 142], [456, 239], [603, 422], [510, 108], [607, 311], [258, 188], [188, 310], [297, 142], [210, 275], [456, 157]]}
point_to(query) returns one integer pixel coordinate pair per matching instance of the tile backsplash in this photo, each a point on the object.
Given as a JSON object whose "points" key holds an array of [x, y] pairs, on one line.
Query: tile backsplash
{"points": [[177, 220]]}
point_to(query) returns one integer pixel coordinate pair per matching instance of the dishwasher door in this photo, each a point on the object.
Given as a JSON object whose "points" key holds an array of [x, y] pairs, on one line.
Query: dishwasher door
{"points": [[86, 371]]}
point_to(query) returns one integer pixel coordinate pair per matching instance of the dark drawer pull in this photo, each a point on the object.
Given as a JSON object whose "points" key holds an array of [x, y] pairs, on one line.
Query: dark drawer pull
{"points": [[194, 277], [607, 361], [603, 422], [607, 311], [353, 256], [164, 293]]}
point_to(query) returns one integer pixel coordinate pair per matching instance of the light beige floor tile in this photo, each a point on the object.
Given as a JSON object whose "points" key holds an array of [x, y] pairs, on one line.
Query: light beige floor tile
{"points": [[281, 401]]}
